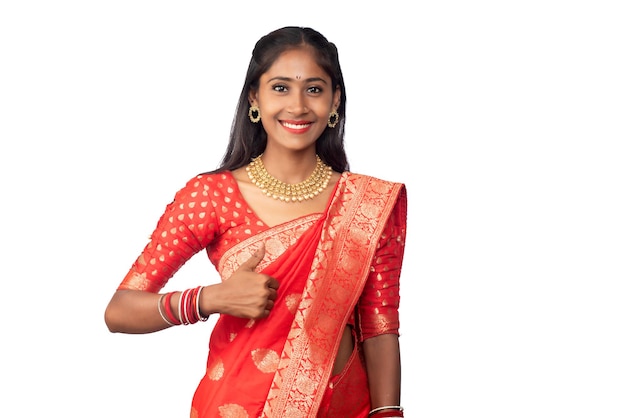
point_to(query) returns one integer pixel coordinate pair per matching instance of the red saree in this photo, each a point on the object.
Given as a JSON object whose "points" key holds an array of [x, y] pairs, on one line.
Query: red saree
{"points": [[281, 366]]}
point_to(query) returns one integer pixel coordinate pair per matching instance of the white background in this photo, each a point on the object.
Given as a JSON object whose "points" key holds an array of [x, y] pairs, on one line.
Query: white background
{"points": [[506, 121]]}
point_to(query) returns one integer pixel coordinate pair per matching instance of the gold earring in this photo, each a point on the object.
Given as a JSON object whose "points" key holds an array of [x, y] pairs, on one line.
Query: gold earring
{"points": [[254, 113], [333, 119]]}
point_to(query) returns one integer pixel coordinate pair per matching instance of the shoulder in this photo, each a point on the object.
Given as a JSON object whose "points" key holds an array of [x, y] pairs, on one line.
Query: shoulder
{"points": [[374, 181], [390, 196], [206, 186], [378, 188], [206, 181]]}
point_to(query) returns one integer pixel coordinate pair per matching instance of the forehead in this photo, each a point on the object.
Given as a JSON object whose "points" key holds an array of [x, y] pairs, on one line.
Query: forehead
{"points": [[294, 62]]}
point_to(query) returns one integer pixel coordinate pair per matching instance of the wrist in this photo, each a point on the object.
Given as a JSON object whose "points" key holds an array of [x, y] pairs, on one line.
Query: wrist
{"points": [[389, 411], [201, 314], [208, 301], [182, 308]]}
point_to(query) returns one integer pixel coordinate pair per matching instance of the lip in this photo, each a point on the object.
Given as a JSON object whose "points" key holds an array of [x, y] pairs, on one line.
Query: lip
{"points": [[296, 126]]}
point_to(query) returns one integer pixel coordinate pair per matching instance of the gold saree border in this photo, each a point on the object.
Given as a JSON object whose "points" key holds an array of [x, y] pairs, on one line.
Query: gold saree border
{"points": [[277, 240]]}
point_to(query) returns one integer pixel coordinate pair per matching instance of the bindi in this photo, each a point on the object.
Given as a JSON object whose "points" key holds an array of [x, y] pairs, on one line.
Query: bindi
{"points": [[298, 77]]}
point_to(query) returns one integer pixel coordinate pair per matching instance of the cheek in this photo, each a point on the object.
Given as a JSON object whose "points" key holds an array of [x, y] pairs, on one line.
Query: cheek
{"points": [[323, 111], [268, 124], [268, 108]]}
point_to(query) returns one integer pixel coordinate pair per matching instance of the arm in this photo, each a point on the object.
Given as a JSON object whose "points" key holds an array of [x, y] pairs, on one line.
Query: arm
{"points": [[379, 318], [134, 312], [246, 294], [185, 228], [382, 355]]}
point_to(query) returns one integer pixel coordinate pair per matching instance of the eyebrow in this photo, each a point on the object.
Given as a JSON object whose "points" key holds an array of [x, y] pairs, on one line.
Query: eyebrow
{"points": [[307, 80]]}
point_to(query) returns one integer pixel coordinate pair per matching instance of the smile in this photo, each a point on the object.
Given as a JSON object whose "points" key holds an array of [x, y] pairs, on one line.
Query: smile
{"points": [[293, 126]]}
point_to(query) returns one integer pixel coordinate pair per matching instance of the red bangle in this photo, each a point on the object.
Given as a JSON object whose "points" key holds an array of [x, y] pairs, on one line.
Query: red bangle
{"points": [[182, 307], [191, 313], [168, 309], [188, 307], [194, 305]]}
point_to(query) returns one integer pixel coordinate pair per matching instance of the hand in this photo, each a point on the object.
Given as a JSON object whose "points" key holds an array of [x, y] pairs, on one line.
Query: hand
{"points": [[246, 294]]}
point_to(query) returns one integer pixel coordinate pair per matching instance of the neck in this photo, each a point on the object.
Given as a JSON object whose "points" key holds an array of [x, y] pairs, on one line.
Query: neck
{"points": [[290, 170]]}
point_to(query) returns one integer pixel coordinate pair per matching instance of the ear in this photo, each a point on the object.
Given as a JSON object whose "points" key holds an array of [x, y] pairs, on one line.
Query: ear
{"points": [[336, 98], [252, 97]]}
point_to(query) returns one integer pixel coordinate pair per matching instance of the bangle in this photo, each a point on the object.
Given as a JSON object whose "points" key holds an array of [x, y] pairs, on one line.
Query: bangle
{"points": [[183, 307], [381, 408], [200, 317], [168, 309], [182, 318], [159, 303]]}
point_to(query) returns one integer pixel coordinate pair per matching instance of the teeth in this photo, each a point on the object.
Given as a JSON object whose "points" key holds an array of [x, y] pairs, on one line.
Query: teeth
{"points": [[294, 126]]}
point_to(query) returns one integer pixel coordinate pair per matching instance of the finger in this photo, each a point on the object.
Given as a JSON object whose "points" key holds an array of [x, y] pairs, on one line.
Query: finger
{"points": [[254, 260], [272, 283]]}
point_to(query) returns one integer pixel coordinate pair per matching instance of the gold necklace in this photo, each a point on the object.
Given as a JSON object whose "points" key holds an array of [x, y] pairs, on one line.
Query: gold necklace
{"points": [[285, 192]]}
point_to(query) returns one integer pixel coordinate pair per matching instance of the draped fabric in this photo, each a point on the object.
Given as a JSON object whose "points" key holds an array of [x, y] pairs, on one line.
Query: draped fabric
{"points": [[244, 354], [337, 268]]}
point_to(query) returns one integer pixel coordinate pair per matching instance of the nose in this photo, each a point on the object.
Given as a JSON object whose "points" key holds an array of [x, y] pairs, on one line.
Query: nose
{"points": [[297, 104]]}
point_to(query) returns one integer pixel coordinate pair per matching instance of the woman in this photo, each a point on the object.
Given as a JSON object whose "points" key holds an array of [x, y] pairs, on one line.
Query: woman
{"points": [[309, 254]]}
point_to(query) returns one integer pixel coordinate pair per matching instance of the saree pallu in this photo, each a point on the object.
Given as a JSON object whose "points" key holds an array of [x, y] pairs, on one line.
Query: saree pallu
{"points": [[280, 366]]}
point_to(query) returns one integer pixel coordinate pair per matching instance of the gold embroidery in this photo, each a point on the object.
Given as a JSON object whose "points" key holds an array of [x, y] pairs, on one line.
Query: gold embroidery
{"points": [[274, 245], [292, 301], [138, 281], [305, 385], [265, 360], [216, 371], [232, 410], [276, 240]]}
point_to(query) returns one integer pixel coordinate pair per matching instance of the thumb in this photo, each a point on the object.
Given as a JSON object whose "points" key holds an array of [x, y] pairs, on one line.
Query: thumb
{"points": [[254, 260]]}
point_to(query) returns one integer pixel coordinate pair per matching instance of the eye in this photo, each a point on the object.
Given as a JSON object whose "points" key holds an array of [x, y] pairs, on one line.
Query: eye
{"points": [[281, 88], [314, 90]]}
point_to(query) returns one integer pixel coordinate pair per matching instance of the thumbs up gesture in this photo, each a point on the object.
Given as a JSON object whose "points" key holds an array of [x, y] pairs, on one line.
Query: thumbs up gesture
{"points": [[246, 294]]}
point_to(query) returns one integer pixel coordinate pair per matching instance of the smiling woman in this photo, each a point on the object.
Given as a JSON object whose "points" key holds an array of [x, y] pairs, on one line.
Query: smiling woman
{"points": [[309, 253]]}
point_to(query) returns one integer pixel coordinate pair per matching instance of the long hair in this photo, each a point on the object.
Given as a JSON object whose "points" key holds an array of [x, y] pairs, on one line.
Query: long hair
{"points": [[247, 139]]}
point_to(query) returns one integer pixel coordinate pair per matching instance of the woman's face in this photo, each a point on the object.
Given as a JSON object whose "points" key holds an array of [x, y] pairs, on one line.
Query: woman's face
{"points": [[295, 97]]}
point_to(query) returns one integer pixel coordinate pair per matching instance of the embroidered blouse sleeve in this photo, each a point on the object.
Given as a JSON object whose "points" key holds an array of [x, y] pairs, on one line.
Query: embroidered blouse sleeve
{"points": [[186, 227], [379, 303]]}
